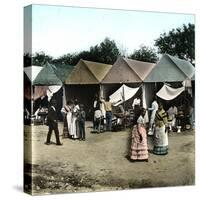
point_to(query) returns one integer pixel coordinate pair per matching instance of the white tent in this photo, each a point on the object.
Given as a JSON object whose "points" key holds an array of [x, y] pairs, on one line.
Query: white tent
{"points": [[169, 93], [123, 94], [32, 72]]}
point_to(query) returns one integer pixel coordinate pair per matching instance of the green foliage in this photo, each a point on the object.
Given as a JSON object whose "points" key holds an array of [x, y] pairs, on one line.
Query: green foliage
{"points": [[145, 54], [40, 58], [178, 42], [106, 52]]}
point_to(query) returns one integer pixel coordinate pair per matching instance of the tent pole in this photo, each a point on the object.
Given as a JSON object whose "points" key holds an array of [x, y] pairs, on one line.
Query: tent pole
{"points": [[32, 102], [64, 96], [123, 98], [100, 88], [123, 93]]}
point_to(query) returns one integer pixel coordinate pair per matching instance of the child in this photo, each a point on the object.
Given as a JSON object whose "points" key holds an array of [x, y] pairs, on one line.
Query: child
{"points": [[81, 122], [97, 118]]}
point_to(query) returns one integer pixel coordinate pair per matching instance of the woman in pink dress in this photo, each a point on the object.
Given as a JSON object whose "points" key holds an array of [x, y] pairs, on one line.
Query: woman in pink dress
{"points": [[139, 148]]}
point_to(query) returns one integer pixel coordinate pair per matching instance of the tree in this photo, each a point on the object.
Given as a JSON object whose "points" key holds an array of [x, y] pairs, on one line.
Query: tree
{"points": [[40, 58], [178, 42], [145, 54], [65, 59], [108, 51]]}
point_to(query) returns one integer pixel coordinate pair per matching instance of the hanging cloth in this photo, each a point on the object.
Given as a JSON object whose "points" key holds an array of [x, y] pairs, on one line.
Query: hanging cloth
{"points": [[169, 93]]}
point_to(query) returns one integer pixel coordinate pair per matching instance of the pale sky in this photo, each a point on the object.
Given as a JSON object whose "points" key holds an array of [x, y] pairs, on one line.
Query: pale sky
{"points": [[58, 30]]}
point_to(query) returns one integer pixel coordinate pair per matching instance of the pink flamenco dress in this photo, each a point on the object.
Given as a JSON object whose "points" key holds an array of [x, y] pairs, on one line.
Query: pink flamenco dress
{"points": [[139, 148]]}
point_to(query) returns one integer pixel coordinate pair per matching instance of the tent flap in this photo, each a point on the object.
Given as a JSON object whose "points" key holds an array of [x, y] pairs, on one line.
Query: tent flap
{"points": [[169, 93], [124, 93]]}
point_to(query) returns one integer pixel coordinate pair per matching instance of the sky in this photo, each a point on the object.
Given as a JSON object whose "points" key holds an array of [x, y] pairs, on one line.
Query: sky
{"points": [[58, 30]]}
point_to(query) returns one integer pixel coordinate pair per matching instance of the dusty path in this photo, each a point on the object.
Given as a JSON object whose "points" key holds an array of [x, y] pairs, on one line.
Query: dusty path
{"points": [[99, 163]]}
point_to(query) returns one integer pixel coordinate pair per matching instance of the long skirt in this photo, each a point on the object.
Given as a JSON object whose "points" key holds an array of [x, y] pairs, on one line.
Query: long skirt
{"points": [[69, 123], [160, 141], [74, 128], [139, 148]]}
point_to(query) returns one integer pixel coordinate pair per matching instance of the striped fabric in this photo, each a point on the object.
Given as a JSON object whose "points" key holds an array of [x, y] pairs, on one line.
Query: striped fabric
{"points": [[162, 150], [161, 118]]}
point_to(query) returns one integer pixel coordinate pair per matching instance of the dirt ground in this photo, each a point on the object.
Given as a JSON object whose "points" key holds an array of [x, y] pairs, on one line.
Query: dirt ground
{"points": [[100, 162]]}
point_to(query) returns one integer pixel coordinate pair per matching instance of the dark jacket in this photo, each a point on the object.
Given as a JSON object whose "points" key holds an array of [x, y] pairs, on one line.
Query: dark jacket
{"points": [[52, 115], [81, 116]]}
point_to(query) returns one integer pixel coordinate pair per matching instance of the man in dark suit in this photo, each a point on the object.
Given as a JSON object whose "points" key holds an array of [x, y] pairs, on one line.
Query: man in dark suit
{"points": [[52, 123]]}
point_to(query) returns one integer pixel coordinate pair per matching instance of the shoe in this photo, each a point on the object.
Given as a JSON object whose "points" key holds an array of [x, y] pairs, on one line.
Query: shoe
{"points": [[47, 143], [59, 144]]}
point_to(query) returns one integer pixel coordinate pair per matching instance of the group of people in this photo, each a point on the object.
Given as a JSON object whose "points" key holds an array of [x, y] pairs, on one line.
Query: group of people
{"points": [[74, 121], [74, 118], [161, 122], [102, 110], [139, 147]]}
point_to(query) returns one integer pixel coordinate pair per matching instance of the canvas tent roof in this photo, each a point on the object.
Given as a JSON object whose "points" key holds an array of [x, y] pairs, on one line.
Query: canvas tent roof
{"points": [[47, 76], [32, 72], [88, 72], [127, 70], [63, 71], [122, 94], [170, 69], [186, 67]]}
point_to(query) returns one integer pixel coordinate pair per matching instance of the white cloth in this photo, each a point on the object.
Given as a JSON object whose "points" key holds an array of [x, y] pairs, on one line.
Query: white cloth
{"points": [[169, 93], [161, 137], [140, 120], [124, 93], [154, 108], [95, 104], [69, 122], [136, 102], [97, 114], [74, 122], [51, 90], [103, 110], [53, 108], [172, 112], [187, 83]]}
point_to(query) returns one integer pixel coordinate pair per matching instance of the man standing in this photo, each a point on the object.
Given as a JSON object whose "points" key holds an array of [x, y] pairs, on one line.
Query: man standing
{"points": [[153, 109], [52, 123], [108, 109]]}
